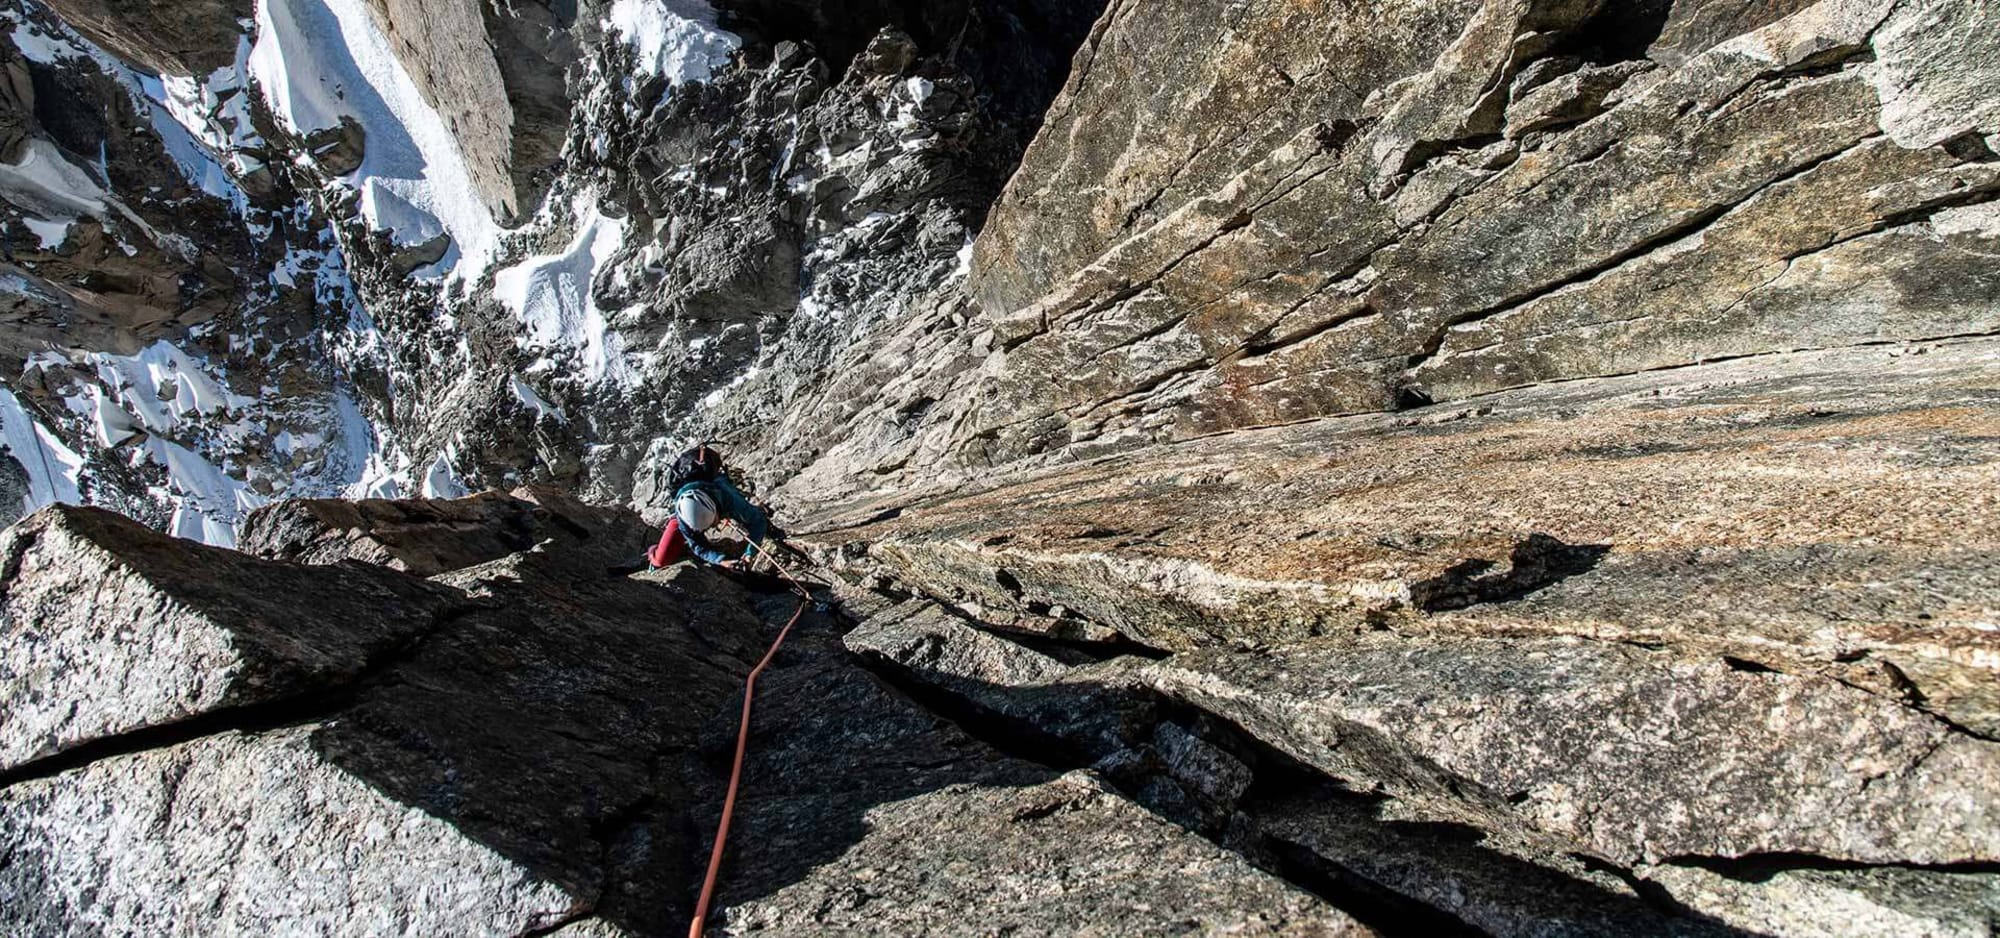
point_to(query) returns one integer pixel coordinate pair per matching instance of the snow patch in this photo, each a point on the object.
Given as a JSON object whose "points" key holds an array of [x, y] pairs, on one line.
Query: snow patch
{"points": [[534, 401], [162, 386], [47, 183], [40, 47], [151, 98], [964, 267], [441, 481], [714, 398], [53, 469], [676, 39], [186, 144], [110, 422], [51, 234], [199, 104], [211, 503], [551, 294], [318, 61]]}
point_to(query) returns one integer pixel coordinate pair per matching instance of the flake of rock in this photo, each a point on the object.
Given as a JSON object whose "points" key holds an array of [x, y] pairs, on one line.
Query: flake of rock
{"points": [[248, 833], [1501, 885], [1571, 98]]}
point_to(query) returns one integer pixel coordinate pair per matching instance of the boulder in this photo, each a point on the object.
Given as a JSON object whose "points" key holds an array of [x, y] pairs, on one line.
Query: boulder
{"points": [[110, 628]]}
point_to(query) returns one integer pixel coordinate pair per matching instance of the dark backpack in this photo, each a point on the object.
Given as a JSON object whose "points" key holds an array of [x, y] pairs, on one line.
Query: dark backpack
{"points": [[700, 464]]}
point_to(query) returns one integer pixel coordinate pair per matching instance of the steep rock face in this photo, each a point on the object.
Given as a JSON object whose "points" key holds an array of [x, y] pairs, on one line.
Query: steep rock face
{"points": [[1176, 111], [1316, 222], [1562, 629], [193, 37], [496, 77], [1829, 512], [1720, 629]]}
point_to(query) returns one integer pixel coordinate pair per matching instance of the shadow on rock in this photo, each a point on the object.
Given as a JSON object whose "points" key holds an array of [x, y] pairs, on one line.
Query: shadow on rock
{"points": [[583, 729], [1534, 564]]}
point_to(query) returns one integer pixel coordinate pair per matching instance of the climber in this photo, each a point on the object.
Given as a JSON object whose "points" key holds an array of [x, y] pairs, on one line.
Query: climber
{"points": [[704, 497], [699, 507]]}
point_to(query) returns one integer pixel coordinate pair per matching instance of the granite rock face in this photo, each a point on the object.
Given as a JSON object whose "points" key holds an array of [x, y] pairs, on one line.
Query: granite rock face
{"points": [[1630, 754], [1069, 855], [1330, 210], [194, 37], [496, 76], [1514, 467], [1827, 511], [113, 628], [226, 832], [1720, 631], [547, 753]]}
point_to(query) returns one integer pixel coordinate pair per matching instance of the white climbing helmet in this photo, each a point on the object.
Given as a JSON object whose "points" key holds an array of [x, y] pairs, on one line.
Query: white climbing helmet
{"points": [[696, 510]]}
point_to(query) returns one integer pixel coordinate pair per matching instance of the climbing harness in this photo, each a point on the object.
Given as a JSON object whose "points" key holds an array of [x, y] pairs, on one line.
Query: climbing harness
{"points": [[742, 739]]}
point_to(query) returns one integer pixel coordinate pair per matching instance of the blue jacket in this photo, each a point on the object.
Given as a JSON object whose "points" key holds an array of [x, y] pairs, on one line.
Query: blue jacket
{"points": [[731, 505]]}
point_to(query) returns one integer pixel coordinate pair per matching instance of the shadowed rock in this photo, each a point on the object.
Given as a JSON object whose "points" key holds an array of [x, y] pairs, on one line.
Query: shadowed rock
{"points": [[1068, 855], [550, 755], [426, 537]]}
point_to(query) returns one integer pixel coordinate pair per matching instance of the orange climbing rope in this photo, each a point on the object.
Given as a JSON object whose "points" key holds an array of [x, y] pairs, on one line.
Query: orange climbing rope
{"points": [[742, 740]]}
